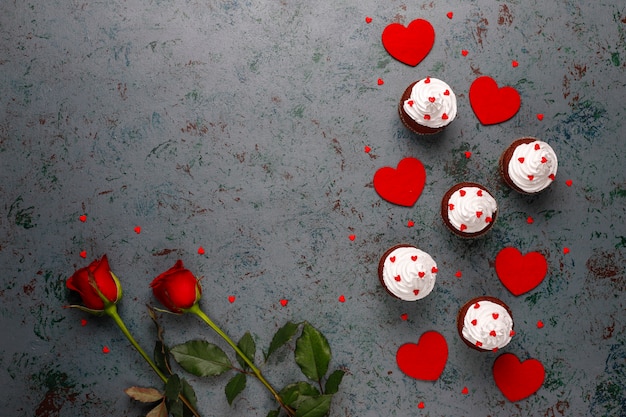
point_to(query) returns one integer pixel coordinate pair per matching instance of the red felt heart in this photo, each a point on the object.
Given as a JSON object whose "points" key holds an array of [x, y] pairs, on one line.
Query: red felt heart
{"points": [[410, 44], [402, 185], [515, 379], [491, 104], [520, 273], [426, 359]]}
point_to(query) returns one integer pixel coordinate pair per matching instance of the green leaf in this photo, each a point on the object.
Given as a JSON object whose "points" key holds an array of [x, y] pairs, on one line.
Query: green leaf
{"points": [[282, 336], [248, 347], [295, 393], [273, 413], [172, 388], [333, 381], [144, 395], [201, 358], [234, 387], [158, 411], [161, 355], [312, 353], [190, 394], [314, 406]]}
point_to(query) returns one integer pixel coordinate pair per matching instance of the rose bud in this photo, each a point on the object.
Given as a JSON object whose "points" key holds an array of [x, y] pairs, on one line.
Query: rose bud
{"points": [[177, 288], [97, 285]]}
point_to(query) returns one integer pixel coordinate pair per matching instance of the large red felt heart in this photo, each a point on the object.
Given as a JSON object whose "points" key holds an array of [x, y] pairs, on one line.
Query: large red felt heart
{"points": [[491, 104], [410, 44], [520, 273], [426, 359], [515, 379], [402, 185]]}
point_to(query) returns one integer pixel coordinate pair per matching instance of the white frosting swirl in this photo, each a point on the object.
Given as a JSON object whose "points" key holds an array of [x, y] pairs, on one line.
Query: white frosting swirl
{"points": [[533, 166], [471, 209], [432, 103], [409, 273], [487, 325]]}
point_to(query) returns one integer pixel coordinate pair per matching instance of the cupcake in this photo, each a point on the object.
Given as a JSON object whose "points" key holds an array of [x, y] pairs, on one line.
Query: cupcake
{"points": [[528, 165], [407, 272], [485, 324], [427, 106], [469, 210]]}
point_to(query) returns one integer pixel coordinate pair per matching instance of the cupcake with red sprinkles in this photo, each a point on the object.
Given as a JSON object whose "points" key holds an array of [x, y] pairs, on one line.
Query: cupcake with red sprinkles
{"points": [[485, 324], [528, 165], [427, 106], [469, 210]]}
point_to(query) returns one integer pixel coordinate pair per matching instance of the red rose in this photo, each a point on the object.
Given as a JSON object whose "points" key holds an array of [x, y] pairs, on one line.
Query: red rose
{"points": [[177, 288], [102, 279]]}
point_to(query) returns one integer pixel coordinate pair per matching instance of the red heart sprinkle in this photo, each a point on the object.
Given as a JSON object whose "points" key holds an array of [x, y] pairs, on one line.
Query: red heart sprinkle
{"points": [[410, 103], [427, 117], [427, 80], [531, 177], [565, 250], [352, 237], [414, 258], [83, 254], [392, 259], [569, 183], [284, 302], [479, 213], [105, 350], [512, 333], [416, 292], [514, 63], [464, 391], [474, 322], [83, 322], [83, 218], [537, 146], [495, 316], [479, 193], [488, 219], [421, 404], [231, 299], [476, 305], [410, 223], [434, 270], [200, 250], [463, 227], [137, 229], [397, 278], [539, 116], [404, 316], [464, 52], [380, 81], [479, 343], [431, 99], [368, 19], [544, 159], [421, 274], [521, 160], [451, 206], [462, 192], [342, 298], [495, 349], [444, 116], [539, 324], [367, 149], [468, 154], [492, 333], [551, 176], [530, 220], [449, 14], [458, 274]]}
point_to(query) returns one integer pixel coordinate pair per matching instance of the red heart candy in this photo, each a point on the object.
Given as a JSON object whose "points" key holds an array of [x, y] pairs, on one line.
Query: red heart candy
{"points": [[410, 44], [342, 298], [231, 299], [368, 19], [515, 379], [426, 359], [492, 104], [83, 218], [402, 185], [520, 273], [449, 14], [137, 229], [284, 302]]}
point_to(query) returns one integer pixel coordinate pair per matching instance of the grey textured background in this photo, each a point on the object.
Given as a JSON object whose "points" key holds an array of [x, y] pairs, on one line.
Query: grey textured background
{"points": [[239, 126]]}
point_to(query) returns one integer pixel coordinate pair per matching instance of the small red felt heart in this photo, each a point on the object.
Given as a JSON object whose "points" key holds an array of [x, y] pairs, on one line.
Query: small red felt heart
{"points": [[426, 359], [520, 273], [409, 44], [492, 104], [515, 379], [402, 185]]}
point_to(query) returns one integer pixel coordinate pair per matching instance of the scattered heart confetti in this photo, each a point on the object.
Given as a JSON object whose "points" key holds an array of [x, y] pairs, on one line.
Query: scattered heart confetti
{"points": [[464, 52], [458, 274], [380, 81], [540, 324], [200, 250], [137, 229], [409, 44], [367, 149], [520, 273], [83, 254], [402, 185], [421, 404], [83, 322], [426, 359], [465, 391], [342, 298], [410, 223], [404, 316], [352, 237], [105, 350], [565, 250], [83, 218], [530, 220], [231, 299], [468, 154], [449, 14], [368, 19], [514, 64], [540, 116], [516, 379], [569, 183], [492, 104], [284, 302]]}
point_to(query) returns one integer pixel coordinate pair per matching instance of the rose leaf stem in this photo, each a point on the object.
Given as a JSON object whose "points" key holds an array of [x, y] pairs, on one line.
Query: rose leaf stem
{"points": [[111, 311], [195, 309]]}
